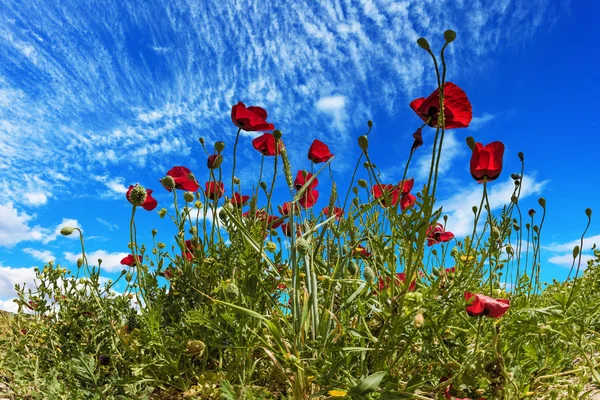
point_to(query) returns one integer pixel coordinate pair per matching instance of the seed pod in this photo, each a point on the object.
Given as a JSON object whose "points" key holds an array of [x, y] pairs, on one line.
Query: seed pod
{"points": [[369, 274]]}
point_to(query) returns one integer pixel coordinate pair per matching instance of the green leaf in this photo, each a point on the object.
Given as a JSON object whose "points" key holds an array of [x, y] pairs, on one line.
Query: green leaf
{"points": [[369, 384], [227, 391]]}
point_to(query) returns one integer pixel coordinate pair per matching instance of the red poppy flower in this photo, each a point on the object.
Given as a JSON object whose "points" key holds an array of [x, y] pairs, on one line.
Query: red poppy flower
{"points": [[130, 260], [286, 228], [450, 270], [170, 272], [319, 152], [437, 234], [250, 118], [190, 249], [361, 251], [265, 144], [383, 282], [457, 108], [149, 204], [418, 136], [480, 304], [287, 208], [309, 198], [393, 192], [274, 221], [183, 181], [214, 161], [238, 200], [486, 161], [302, 177], [214, 190], [338, 212]]}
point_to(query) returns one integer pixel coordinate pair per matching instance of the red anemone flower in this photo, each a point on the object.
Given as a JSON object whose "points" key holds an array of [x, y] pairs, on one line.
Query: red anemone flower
{"points": [[309, 198], [480, 304], [214, 190], [437, 234], [302, 177], [265, 144], [319, 152], [250, 118], [238, 200], [130, 260], [393, 192], [287, 208], [457, 108], [486, 161], [338, 212], [361, 251], [214, 161], [149, 204], [183, 181]]}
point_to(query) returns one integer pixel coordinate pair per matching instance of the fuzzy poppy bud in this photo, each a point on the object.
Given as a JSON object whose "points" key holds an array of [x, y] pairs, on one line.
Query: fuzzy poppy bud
{"points": [[195, 348], [355, 190], [449, 36], [263, 185], [162, 212], [352, 267], [154, 232], [201, 140], [362, 183], [128, 277], [369, 274], [355, 202], [588, 212], [168, 182], [198, 204], [514, 199], [67, 230], [419, 321], [454, 252], [188, 196], [236, 180], [423, 43], [575, 251], [521, 156], [363, 142], [471, 142], [474, 209], [219, 146], [303, 246], [79, 262], [214, 161], [542, 202], [509, 250], [370, 124], [232, 291], [270, 246], [531, 212], [277, 134]]}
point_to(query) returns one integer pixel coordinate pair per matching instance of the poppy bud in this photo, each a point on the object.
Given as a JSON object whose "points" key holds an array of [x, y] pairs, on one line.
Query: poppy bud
{"points": [[369, 274], [363, 142], [162, 212], [516, 227], [355, 190], [474, 209], [531, 212], [514, 199], [362, 183], [161, 245], [588, 212], [67, 230], [355, 201], [419, 321], [195, 347], [521, 156], [79, 262], [232, 291], [236, 180], [168, 182], [454, 252], [214, 161], [263, 185], [277, 134], [188, 196], [219, 146], [128, 277], [352, 267], [270, 246], [154, 232], [509, 250], [471, 142], [370, 124], [434, 252], [575, 251], [542, 202], [527, 226], [536, 229], [423, 43], [303, 246], [193, 230], [449, 36]]}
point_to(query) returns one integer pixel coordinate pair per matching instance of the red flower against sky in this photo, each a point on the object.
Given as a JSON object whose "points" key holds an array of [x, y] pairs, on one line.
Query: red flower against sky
{"points": [[190, 248], [309, 198], [238, 200], [287, 207], [457, 107], [214, 190], [250, 118], [286, 228], [486, 161], [214, 161], [302, 177], [338, 212], [360, 250], [418, 142], [319, 152], [479, 304], [393, 193], [383, 282], [149, 204], [130, 260], [437, 234], [183, 181], [265, 144]]}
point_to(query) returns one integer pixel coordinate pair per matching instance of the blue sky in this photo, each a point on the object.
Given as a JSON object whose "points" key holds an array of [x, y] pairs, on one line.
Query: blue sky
{"points": [[96, 97]]}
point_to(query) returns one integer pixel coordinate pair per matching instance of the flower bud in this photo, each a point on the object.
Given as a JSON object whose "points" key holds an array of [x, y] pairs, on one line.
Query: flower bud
{"points": [[188, 196], [219, 146], [303, 246], [201, 140], [277, 134], [362, 183], [67, 230], [542, 202], [193, 230], [363, 142], [588, 212], [232, 291], [214, 161], [138, 195], [355, 190], [168, 182], [521, 156], [419, 321], [79, 262], [154, 232], [263, 185], [195, 348], [575, 251], [198, 205], [236, 180], [449, 36], [270, 246], [355, 202], [423, 43], [474, 209], [370, 124], [531, 212], [369, 274], [352, 267], [162, 212], [128, 277], [471, 143]]}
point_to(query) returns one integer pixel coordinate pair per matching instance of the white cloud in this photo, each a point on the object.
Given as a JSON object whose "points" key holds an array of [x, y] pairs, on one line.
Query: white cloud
{"points": [[479, 122], [562, 247], [35, 198], [452, 148], [566, 260], [9, 305], [150, 117], [42, 255], [334, 106], [459, 206], [111, 262], [110, 226], [10, 276], [66, 222], [14, 226]]}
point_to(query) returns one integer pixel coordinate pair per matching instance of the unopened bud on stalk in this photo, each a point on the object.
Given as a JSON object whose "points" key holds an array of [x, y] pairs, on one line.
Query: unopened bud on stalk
{"points": [[527, 226], [188, 196], [219, 146], [536, 229], [193, 230], [201, 140], [454, 252], [154, 232], [355, 202], [303, 246], [423, 43], [531, 212], [352, 267], [232, 291], [355, 190], [236, 180], [370, 123], [277, 134], [588, 212], [195, 348], [79, 262], [474, 209], [521, 156], [162, 212], [362, 183], [542, 202], [449, 36], [434, 252], [509, 250], [514, 199], [471, 143], [369, 274], [419, 320], [67, 230], [363, 142], [128, 277], [263, 185], [575, 251]]}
